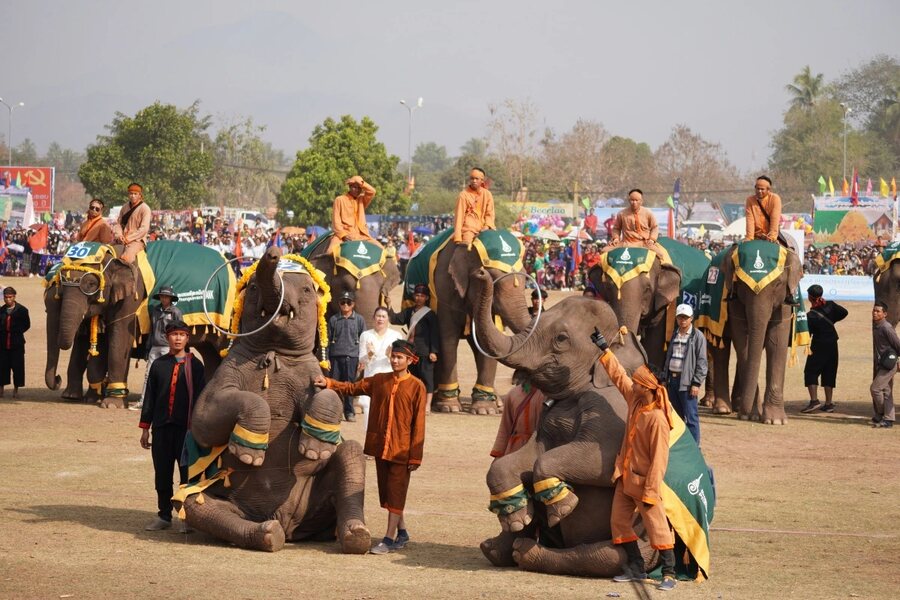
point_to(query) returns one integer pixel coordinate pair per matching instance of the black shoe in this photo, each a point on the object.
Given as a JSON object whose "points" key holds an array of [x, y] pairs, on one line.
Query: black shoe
{"points": [[883, 424], [876, 420], [829, 408], [813, 406]]}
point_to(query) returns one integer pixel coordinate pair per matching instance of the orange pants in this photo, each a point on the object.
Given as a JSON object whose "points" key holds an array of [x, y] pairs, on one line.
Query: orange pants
{"points": [[654, 516]]}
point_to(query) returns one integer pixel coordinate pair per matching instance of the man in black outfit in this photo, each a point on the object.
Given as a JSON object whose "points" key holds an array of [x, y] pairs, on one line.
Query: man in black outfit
{"points": [[422, 324], [175, 381], [14, 322], [823, 349]]}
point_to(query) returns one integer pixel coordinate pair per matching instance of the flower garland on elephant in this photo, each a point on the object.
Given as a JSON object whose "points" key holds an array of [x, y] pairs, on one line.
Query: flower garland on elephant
{"points": [[318, 278]]}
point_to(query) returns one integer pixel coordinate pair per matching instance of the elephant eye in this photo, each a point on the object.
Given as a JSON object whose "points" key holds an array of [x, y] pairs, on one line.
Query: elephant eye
{"points": [[562, 337], [252, 287]]}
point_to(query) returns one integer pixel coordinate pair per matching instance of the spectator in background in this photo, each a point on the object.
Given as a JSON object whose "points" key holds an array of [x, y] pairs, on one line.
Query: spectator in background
{"points": [[822, 360], [422, 332], [375, 351]]}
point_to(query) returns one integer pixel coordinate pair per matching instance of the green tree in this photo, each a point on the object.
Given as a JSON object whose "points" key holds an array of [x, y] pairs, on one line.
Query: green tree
{"points": [[627, 164], [338, 150], [162, 148], [246, 169], [475, 147], [64, 160], [865, 88], [25, 154], [806, 89], [430, 158]]}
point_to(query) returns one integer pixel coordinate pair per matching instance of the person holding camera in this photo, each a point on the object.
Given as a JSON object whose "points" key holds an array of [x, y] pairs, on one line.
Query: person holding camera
{"points": [[886, 347]]}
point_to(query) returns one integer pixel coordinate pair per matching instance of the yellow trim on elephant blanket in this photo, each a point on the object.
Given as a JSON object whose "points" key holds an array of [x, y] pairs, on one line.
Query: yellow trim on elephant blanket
{"points": [[884, 258], [348, 265], [143, 313], [500, 265], [641, 267], [747, 278]]}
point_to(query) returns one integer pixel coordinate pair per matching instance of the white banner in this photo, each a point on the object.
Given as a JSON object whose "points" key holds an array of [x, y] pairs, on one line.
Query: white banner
{"points": [[856, 288]]}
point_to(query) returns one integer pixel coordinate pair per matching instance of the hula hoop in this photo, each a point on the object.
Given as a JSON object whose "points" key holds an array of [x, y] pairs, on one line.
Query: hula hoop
{"points": [[537, 319], [228, 261]]}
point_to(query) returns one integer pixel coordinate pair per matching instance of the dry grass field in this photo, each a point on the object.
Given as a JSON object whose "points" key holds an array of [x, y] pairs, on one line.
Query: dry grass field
{"points": [[808, 510]]}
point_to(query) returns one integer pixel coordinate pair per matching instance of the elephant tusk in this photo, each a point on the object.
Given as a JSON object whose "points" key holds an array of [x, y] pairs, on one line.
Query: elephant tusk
{"points": [[291, 314], [262, 313]]}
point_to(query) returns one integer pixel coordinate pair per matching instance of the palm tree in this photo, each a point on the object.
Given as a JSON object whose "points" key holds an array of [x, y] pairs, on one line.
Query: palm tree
{"points": [[806, 88]]}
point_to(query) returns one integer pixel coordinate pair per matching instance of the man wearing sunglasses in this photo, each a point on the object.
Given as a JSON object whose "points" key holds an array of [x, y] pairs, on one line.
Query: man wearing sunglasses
{"points": [[344, 329], [95, 228]]}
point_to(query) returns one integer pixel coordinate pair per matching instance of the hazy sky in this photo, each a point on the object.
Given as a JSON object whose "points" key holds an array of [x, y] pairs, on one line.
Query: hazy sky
{"points": [[637, 67]]}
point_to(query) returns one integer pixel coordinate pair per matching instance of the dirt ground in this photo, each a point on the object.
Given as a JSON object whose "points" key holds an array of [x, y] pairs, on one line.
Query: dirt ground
{"points": [[808, 510]]}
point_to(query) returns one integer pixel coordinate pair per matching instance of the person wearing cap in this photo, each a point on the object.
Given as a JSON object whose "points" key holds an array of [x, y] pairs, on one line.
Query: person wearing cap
{"points": [[474, 209], [14, 322], [822, 360], [422, 331], [133, 224], [532, 310], [344, 330], [175, 382], [161, 316], [686, 367], [395, 435], [348, 219], [640, 467], [94, 228]]}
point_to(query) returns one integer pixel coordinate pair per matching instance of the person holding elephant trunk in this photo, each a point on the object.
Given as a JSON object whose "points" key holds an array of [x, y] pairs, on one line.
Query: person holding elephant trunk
{"points": [[640, 467]]}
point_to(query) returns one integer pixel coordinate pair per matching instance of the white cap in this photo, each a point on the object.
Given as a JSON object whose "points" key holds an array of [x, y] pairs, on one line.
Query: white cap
{"points": [[684, 309]]}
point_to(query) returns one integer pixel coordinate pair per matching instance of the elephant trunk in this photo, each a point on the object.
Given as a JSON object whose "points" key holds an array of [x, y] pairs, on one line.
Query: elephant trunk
{"points": [[72, 311], [268, 280], [515, 309], [52, 380], [491, 340], [751, 363]]}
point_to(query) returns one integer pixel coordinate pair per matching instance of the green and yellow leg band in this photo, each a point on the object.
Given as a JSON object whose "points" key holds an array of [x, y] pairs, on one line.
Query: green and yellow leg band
{"points": [[551, 490], [448, 390], [97, 387], [249, 439], [325, 432], [117, 389], [510, 501]]}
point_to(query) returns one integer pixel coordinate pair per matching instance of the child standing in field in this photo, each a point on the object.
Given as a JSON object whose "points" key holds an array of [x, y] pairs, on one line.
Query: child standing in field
{"points": [[395, 435]]}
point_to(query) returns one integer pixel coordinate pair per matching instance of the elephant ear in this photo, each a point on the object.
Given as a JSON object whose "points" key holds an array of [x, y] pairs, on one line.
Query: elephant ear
{"points": [[726, 270], [391, 277], [119, 282], [794, 271], [461, 265], [668, 286]]}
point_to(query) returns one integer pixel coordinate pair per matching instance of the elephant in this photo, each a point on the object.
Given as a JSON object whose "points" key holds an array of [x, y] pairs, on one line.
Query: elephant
{"points": [[641, 299], [371, 289], [285, 475], [886, 281], [758, 319], [578, 437], [452, 298]]}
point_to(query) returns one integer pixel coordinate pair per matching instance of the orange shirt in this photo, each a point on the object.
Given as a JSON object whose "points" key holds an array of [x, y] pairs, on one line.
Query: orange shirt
{"points": [[758, 226], [635, 228], [95, 230], [349, 217], [644, 455], [521, 412], [138, 225], [396, 428], [474, 214]]}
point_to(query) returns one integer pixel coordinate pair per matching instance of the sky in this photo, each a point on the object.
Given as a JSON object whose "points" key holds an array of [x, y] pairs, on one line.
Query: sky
{"points": [[639, 68]]}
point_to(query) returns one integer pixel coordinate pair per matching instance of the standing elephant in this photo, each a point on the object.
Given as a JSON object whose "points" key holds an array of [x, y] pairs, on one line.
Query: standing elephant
{"points": [[570, 460], [362, 268], [280, 472], [752, 280], [452, 298], [886, 280], [640, 288]]}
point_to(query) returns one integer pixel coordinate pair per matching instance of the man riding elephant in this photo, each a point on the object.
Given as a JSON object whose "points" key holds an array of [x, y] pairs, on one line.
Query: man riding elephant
{"points": [[349, 213]]}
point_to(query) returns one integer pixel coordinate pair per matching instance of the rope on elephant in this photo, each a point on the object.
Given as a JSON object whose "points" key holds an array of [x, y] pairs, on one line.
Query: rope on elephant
{"points": [[551, 490]]}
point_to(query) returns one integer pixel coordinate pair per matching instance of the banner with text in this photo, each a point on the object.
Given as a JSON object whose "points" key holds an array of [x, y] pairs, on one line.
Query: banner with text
{"points": [[854, 288], [40, 180]]}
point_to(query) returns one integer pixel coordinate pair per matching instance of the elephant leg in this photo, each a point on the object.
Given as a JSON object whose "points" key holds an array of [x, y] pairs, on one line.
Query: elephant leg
{"points": [[446, 395], [720, 368], [484, 398], [600, 559], [654, 339], [225, 521], [221, 412], [120, 334], [505, 482], [772, 412], [78, 361], [96, 371]]}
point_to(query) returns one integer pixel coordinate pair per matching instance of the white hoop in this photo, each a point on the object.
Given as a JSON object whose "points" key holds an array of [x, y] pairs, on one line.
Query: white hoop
{"points": [[228, 261], [537, 319]]}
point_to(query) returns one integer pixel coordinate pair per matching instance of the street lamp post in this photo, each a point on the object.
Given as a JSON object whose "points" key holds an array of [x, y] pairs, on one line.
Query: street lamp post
{"points": [[847, 110], [10, 108], [410, 108]]}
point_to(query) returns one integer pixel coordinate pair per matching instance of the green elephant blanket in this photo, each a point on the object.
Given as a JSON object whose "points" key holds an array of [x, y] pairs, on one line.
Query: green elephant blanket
{"points": [[359, 258]]}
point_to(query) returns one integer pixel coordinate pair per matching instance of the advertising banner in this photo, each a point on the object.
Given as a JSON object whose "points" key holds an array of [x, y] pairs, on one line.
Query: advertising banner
{"points": [[844, 219], [857, 288], [40, 180]]}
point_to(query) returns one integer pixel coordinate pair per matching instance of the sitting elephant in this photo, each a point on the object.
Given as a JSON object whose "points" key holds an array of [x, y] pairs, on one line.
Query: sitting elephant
{"points": [[569, 461], [279, 470]]}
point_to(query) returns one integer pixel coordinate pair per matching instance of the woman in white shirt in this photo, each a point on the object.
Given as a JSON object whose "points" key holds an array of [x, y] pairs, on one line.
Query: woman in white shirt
{"points": [[375, 352]]}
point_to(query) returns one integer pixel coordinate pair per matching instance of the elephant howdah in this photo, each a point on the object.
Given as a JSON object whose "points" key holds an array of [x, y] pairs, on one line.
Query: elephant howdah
{"points": [[269, 465], [558, 487], [499, 253]]}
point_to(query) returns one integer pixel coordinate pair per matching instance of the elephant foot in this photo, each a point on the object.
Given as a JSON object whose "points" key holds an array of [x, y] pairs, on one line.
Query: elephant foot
{"points": [[446, 406], [774, 417], [558, 511], [248, 456], [72, 394], [720, 407], [499, 550], [483, 407], [707, 401], [268, 536], [112, 402], [516, 521], [744, 417], [315, 449], [355, 537], [527, 554]]}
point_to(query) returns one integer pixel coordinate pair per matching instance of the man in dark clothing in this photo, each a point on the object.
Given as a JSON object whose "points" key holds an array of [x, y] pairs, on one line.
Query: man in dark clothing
{"points": [[532, 310], [175, 381], [823, 349], [884, 343], [14, 322], [344, 330], [422, 325]]}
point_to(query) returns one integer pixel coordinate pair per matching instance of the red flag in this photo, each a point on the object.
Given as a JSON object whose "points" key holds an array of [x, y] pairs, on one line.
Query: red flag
{"points": [[38, 240], [854, 189], [411, 242], [671, 223]]}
